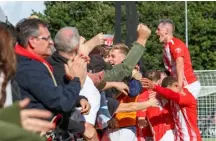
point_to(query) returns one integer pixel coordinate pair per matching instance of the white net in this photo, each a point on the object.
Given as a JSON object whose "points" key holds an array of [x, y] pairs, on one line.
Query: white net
{"points": [[207, 104]]}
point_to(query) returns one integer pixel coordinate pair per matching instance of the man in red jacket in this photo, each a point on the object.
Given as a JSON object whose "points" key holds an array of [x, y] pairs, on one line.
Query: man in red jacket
{"points": [[176, 58], [160, 119], [183, 107]]}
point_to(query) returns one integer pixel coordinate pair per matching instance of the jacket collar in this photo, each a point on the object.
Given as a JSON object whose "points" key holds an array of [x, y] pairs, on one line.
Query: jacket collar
{"points": [[58, 58], [24, 52]]}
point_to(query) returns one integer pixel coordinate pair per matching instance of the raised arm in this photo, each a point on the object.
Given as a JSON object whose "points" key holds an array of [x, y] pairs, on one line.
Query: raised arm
{"points": [[179, 98], [123, 70], [136, 106], [120, 86], [88, 46]]}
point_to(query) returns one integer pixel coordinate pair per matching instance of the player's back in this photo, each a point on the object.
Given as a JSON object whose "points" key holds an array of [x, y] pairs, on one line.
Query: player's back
{"points": [[179, 49], [185, 118], [160, 118]]}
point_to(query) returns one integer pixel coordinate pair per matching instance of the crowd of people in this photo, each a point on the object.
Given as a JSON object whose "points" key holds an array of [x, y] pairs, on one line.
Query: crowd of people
{"points": [[68, 88]]}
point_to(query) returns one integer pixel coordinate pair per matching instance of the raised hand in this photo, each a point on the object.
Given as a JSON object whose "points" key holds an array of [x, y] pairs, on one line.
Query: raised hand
{"points": [[77, 67], [82, 40], [98, 39], [122, 87], [146, 83], [89, 45], [143, 31], [143, 34]]}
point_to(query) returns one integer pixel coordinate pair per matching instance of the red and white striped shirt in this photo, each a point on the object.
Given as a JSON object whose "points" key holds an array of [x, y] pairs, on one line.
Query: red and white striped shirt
{"points": [[172, 50], [184, 111], [160, 118]]}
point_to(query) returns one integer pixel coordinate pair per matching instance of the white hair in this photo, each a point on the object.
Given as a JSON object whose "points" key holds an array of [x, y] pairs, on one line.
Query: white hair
{"points": [[67, 42]]}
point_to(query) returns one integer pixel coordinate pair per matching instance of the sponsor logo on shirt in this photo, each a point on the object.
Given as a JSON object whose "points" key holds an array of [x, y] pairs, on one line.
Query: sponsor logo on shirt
{"points": [[178, 50]]}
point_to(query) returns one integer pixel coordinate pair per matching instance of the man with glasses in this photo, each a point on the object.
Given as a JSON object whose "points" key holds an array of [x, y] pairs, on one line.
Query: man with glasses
{"points": [[35, 76]]}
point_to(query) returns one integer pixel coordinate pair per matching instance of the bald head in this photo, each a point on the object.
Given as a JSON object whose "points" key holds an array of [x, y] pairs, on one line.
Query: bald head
{"points": [[168, 25], [67, 39]]}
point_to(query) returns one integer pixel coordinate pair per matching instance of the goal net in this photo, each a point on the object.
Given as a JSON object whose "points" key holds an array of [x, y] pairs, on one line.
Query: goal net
{"points": [[207, 104]]}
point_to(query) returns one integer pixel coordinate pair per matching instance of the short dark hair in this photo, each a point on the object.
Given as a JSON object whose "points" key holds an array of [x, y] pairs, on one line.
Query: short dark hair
{"points": [[26, 28], [153, 75], [96, 64], [168, 21], [168, 81]]}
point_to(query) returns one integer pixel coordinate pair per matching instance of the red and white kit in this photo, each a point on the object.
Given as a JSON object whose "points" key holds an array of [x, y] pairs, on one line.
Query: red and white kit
{"points": [[184, 112], [172, 50], [160, 118]]}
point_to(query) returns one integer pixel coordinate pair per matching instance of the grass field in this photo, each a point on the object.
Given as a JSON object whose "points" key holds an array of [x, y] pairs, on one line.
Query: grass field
{"points": [[209, 139]]}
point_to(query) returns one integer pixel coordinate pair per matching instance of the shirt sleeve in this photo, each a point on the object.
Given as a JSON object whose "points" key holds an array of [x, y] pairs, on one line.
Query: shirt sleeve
{"points": [[121, 71], [12, 132], [135, 88], [177, 51], [11, 114], [179, 98]]}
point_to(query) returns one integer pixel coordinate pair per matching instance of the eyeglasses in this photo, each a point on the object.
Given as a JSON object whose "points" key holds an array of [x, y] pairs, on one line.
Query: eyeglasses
{"points": [[48, 39]]}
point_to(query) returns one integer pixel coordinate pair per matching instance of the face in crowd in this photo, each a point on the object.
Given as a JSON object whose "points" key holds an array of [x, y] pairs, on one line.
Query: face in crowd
{"points": [[42, 44], [96, 77], [165, 30], [117, 54], [161, 33]]}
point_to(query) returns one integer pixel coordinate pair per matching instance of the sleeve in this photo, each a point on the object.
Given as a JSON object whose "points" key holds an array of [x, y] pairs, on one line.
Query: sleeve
{"points": [[123, 70], [135, 88], [11, 114], [59, 98], [177, 51], [16, 95], [11, 132], [112, 105], [180, 99], [141, 98]]}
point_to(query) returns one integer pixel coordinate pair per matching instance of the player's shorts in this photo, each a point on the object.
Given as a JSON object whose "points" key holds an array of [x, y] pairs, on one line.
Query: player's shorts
{"points": [[194, 88], [168, 136]]}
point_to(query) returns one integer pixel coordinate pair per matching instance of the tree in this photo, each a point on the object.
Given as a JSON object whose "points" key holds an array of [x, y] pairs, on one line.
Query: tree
{"points": [[94, 17], [89, 17], [202, 31]]}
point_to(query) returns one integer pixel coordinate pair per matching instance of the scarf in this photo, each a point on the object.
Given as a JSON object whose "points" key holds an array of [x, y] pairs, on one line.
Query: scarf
{"points": [[23, 52]]}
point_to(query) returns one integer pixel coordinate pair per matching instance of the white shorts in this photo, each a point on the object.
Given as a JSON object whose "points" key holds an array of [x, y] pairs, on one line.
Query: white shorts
{"points": [[194, 88], [122, 134], [168, 136]]}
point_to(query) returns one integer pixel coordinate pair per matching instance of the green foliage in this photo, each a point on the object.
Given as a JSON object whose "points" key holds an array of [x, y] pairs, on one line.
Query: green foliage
{"points": [[94, 17], [89, 17]]}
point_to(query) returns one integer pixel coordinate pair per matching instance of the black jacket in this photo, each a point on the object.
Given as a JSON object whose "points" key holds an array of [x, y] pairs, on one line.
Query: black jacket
{"points": [[57, 62]]}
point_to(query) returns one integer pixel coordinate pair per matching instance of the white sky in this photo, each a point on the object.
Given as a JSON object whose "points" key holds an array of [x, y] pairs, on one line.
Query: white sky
{"points": [[16, 10]]}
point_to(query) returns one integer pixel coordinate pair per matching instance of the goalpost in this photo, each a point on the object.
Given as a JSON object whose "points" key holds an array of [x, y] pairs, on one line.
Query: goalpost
{"points": [[206, 104]]}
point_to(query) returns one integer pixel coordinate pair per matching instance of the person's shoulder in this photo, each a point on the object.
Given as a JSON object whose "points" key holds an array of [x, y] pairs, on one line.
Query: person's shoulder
{"points": [[178, 42], [28, 65], [189, 94], [89, 85]]}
